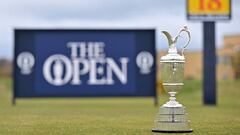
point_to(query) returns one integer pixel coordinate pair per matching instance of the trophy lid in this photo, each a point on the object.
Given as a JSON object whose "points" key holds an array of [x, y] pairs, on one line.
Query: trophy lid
{"points": [[172, 55]]}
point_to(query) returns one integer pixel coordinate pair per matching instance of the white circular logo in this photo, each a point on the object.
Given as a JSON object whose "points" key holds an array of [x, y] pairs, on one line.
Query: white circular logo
{"points": [[25, 62], [144, 61], [58, 63]]}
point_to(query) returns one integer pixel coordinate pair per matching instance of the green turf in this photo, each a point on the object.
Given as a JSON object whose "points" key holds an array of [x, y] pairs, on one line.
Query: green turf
{"points": [[120, 116]]}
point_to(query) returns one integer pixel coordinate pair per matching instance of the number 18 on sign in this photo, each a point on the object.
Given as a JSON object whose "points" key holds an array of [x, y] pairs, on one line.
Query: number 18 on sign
{"points": [[209, 10]]}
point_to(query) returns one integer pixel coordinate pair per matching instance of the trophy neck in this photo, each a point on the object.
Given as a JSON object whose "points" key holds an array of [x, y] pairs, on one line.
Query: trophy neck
{"points": [[172, 49], [172, 102]]}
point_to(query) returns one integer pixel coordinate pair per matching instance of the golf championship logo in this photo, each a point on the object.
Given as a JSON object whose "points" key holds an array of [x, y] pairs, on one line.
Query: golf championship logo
{"points": [[144, 61], [87, 59], [57, 62], [25, 62]]}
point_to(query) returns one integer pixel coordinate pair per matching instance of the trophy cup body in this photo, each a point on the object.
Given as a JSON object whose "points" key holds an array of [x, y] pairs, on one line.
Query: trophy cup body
{"points": [[172, 117]]}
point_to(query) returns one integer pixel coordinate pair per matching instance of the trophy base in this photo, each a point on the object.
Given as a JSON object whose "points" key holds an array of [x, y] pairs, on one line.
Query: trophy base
{"points": [[172, 131], [172, 120]]}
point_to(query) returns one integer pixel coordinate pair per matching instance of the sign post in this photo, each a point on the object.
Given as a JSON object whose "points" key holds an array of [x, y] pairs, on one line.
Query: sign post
{"points": [[209, 11], [209, 69]]}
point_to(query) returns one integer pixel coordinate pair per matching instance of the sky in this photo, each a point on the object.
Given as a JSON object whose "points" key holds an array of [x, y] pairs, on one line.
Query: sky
{"points": [[169, 15]]}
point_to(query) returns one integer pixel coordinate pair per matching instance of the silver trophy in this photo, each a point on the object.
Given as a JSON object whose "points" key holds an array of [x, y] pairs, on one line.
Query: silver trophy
{"points": [[172, 117]]}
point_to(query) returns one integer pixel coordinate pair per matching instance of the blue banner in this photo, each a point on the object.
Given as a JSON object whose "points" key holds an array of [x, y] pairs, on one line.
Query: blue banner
{"points": [[84, 63]]}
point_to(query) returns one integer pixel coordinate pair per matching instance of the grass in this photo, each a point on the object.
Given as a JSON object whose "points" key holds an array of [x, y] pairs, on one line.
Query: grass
{"points": [[120, 116]]}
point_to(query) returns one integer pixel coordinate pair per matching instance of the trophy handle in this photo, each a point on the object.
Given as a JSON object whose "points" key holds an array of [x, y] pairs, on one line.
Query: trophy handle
{"points": [[185, 29]]}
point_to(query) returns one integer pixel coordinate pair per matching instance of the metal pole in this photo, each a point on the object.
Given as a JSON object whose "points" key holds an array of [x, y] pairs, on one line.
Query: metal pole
{"points": [[209, 58]]}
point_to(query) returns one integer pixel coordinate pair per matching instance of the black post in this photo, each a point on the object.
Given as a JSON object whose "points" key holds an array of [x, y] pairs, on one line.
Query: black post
{"points": [[13, 90], [13, 101], [209, 58], [155, 101]]}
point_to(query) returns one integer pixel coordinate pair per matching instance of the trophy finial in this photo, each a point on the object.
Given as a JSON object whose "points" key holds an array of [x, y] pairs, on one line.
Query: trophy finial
{"points": [[172, 41]]}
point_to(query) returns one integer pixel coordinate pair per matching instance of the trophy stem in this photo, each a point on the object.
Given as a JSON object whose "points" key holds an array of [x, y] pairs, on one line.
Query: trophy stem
{"points": [[172, 96], [172, 102]]}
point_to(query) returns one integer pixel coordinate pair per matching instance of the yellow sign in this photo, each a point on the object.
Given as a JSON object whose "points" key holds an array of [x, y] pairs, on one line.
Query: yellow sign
{"points": [[209, 9]]}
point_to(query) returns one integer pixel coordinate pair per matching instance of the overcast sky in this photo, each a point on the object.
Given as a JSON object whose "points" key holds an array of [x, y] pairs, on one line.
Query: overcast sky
{"points": [[167, 15]]}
